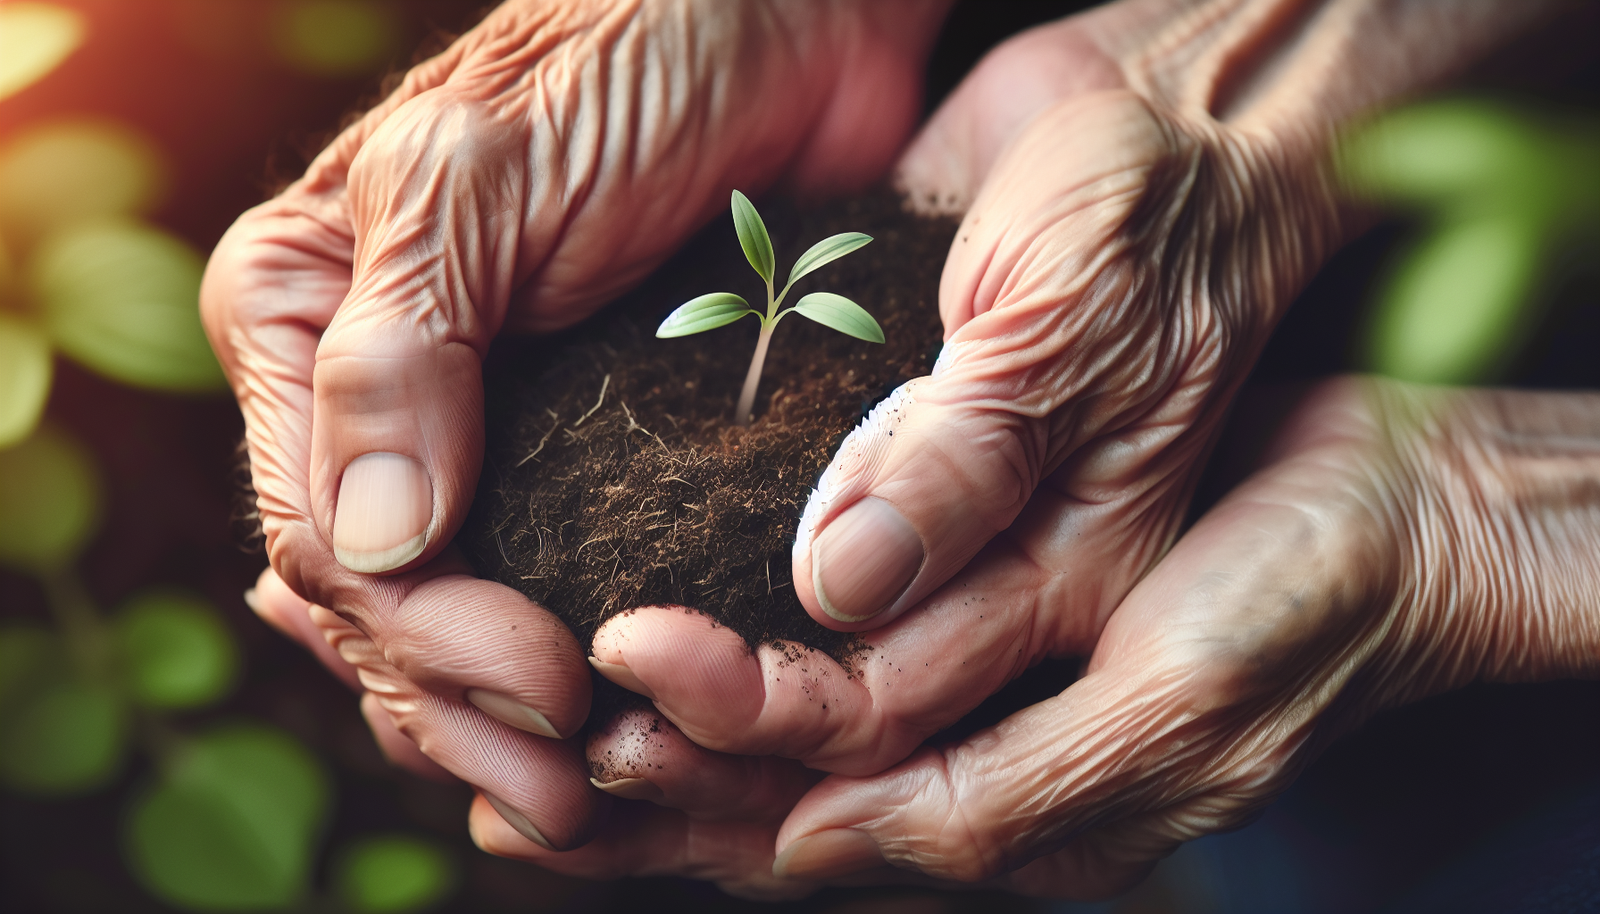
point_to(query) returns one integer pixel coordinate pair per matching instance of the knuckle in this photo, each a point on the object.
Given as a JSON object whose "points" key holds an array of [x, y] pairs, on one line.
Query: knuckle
{"points": [[957, 842]]}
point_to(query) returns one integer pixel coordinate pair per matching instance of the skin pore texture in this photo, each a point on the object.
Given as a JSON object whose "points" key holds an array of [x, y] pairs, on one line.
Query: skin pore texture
{"points": [[1145, 191]]}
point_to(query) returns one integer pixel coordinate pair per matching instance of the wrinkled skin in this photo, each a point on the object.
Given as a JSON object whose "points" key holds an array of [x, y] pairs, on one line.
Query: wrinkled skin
{"points": [[1398, 542], [1144, 195], [548, 159]]}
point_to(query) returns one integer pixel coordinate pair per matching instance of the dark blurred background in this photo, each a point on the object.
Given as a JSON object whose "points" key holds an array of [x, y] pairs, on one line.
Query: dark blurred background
{"points": [[132, 133]]}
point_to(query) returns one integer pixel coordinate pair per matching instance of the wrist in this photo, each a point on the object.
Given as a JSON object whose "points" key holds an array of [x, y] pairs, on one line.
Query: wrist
{"points": [[1505, 534]]}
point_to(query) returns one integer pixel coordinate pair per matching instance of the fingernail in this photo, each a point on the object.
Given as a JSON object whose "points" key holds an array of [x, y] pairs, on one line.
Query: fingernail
{"points": [[835, 852], [508, 710], [864, 559], [252, 600], [517, 821], [622, 676], [631, 789], [381, 521]]}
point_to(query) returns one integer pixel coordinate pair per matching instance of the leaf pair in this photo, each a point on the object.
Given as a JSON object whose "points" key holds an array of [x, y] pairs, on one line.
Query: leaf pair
{"points": [[717, 309]]}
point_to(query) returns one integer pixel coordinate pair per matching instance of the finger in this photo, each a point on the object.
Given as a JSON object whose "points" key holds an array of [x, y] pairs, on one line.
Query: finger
{"points": [[640, 755], [1023, 600], [1105, 803], [642, 839], [436, 206], [539, 784], [286, 611], [475, 641], [1054, 359], [396, 746]]}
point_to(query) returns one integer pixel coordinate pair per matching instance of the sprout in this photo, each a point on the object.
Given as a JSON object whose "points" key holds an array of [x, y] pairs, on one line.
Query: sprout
{"points": [[718, 309]]}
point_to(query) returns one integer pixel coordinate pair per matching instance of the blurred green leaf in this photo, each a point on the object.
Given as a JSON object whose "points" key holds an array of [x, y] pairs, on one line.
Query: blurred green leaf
{"points": [[66, 737], [34, 39], [707, 312], [394, 873], [60, 173], [753, 236], [26, 652], [25, 371], [841, 314], [334, 37], [176, 651], [123, 299], [1453, 311], [1460, 155], [49, 501], [233, 824]]}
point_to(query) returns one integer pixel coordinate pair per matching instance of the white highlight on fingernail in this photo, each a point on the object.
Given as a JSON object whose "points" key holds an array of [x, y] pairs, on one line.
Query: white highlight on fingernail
{"points": [[863, 448]]}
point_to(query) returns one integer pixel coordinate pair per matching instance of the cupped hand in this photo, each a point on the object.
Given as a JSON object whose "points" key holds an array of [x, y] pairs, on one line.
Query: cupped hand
{"points": [[1145, 192], [545, 161], [1400, 541]]}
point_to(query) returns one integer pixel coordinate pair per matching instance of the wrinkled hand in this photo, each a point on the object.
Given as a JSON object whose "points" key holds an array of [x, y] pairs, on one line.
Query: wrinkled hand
{"points": [[1145, 191], [1400, 541], [548, 159], [1403, 541]]}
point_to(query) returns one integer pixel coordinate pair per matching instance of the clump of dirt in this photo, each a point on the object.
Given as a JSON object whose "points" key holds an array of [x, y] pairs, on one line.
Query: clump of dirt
{"points": [[614, 476]]}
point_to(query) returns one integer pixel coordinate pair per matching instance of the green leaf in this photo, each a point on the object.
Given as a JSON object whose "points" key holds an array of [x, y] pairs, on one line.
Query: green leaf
{"points": [[1456, 309], [841, 314], [123, 299], [66, 737], [1460, 157], [394, 873], [25, 371], [708, 312], [827, 251], [753, 236], [49, 501], [234, 823], [63, 172], [176, 651]]}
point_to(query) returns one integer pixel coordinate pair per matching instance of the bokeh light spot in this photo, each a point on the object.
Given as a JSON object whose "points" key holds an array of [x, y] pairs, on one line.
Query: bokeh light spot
{"points": [[62, 172], [34, 39], [123, 299], [176, 652], [49, 501], [334, 37], [25, 373], [389, 874]]}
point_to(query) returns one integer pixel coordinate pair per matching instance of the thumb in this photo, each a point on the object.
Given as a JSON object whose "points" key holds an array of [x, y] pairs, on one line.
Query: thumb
{"points": [[1039, 802], [436, 201]]}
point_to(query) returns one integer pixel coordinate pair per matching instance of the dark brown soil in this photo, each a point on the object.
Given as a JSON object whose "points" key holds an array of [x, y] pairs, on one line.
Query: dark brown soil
{"points": [[614, 476]]}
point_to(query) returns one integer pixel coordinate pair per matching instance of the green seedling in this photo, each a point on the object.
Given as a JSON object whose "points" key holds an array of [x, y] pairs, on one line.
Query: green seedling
{"points": [[719, 309]]}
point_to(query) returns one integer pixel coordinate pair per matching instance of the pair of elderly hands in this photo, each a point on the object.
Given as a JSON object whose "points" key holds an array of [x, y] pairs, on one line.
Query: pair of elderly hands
{"points": [[1145, 191]]}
